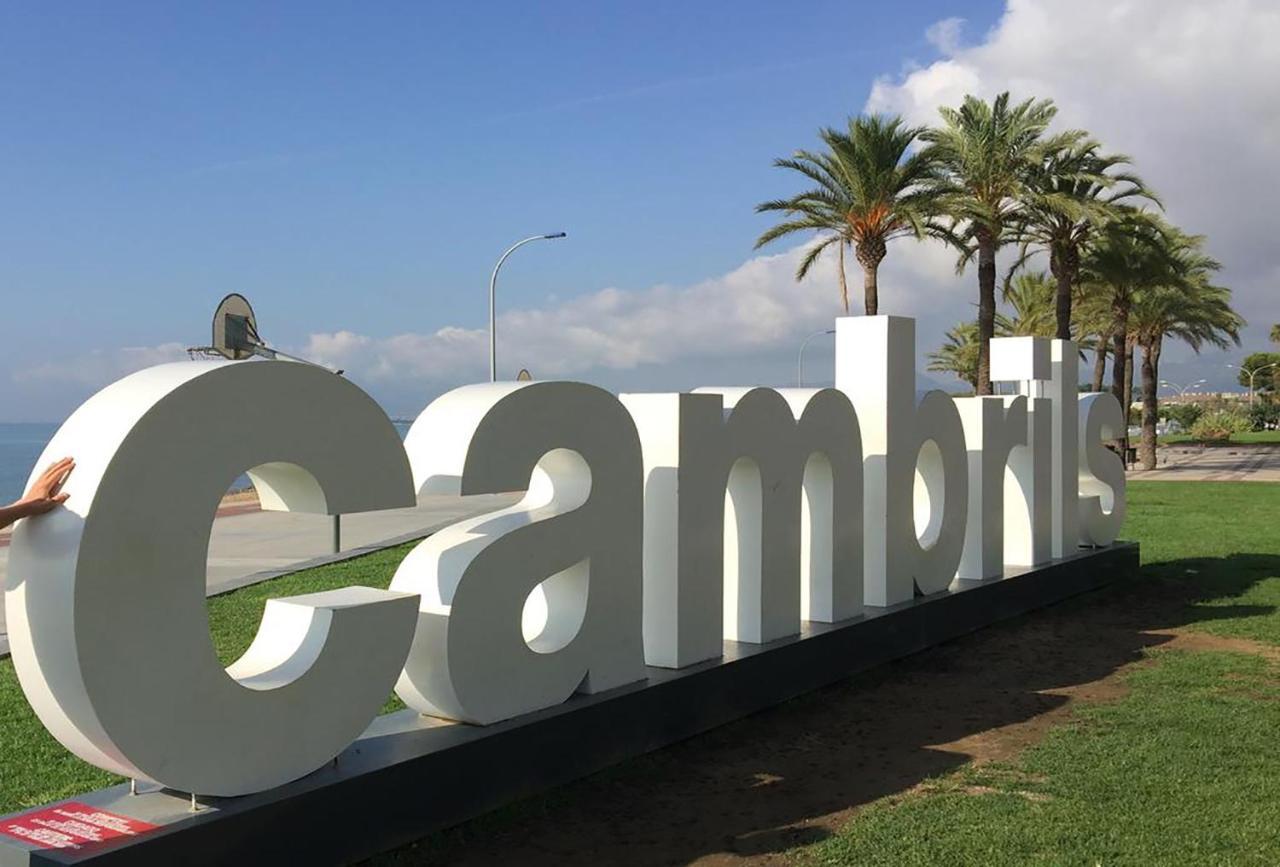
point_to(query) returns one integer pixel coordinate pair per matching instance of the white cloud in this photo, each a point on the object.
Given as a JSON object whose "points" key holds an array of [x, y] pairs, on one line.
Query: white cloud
{"points": [[100, 367], [756, 307], [945, 35], [741, 326], [1187, 88]]}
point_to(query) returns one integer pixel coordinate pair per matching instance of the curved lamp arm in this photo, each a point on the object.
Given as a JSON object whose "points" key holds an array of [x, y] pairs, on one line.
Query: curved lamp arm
{"points": [[493, 285]]}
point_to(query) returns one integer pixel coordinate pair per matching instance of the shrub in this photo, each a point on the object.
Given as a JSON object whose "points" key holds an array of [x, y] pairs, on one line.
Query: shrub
{"points": [[1185, 414], [1264, 416], [1220, 425]]}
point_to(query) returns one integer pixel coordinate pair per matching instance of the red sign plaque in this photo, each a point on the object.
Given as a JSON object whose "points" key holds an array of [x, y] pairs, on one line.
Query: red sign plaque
{"points": [[70, 825]]}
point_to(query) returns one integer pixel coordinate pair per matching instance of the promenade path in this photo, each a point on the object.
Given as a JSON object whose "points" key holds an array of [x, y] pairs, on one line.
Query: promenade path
{"points": [[1245, 463], [247, 546]]}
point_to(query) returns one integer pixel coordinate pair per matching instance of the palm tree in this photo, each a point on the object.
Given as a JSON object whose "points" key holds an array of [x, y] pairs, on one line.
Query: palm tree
{"points": [[1030, 297], [959, 354], [1275, 333], [991, 154], [1189, 308], [1075, 191], [1128, 256], [1093, 323], [869, 191]]}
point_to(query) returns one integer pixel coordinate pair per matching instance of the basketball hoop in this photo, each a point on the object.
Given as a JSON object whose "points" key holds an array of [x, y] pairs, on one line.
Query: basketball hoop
{"points": [[235, 335]]}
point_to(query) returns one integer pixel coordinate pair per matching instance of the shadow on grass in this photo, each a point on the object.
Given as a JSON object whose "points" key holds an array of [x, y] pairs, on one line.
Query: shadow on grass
{"points": [[764, 785]]}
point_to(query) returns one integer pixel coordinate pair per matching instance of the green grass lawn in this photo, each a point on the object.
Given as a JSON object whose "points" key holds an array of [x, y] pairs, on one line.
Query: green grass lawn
{"points": [[1184, 769]]}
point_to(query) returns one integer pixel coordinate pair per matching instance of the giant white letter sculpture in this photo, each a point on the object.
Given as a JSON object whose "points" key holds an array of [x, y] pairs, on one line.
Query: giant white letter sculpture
{"points": [[1102, 480], [490, 646], [1028, 488], [917, 476], [1010, 442], [106, 598], [749, 506], [993, 428], [753, 516], [1064, 393]]}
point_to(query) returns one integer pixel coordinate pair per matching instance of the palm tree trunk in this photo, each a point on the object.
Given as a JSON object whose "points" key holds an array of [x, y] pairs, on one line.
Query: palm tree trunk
{"points": [[870, 252], [986, 308], [1119, 337], [1119, 365], [1063, 302], [844, 282], [871, 290], [1156, 348], [1100, 360], [1147, 447], [1129, 373]]}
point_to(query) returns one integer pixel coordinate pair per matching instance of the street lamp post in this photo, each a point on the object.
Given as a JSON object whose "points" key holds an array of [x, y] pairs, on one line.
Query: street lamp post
{"points": [[1182, 389], [1251, 374], [800, 355], [493, 287]]}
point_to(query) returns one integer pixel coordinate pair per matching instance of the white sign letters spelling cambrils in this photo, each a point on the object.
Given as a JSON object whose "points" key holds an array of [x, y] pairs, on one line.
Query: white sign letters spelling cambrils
{"points": [[653, 528]]}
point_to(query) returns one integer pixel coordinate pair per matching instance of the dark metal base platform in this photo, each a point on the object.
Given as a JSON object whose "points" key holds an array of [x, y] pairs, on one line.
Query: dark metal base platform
{"points": [[409, 775]]}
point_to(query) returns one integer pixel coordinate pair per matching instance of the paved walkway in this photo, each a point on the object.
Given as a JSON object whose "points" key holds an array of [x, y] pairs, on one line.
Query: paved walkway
{"points": [[247, 546], [1245, 463]]}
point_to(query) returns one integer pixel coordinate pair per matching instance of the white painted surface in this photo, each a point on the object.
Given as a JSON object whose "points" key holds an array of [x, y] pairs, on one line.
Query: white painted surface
{"points": [[1102, 479], [522, 607], [993, 428], [1062, 389], [105, 598], [916, 472], [752, 516]]}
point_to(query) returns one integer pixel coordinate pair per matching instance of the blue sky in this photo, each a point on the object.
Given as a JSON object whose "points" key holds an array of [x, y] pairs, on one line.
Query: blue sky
{"points": [[354, 168]]}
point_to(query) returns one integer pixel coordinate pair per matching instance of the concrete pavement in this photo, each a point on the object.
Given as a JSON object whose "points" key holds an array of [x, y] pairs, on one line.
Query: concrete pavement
{"points": [[1244, 463], [246, 547]]}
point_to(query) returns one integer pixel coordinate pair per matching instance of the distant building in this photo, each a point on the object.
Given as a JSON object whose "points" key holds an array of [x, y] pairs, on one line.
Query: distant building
{"points": [[1206, 397]]}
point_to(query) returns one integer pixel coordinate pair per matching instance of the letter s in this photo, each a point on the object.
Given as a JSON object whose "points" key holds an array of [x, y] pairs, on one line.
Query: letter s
{"points": [[1102, 480]]}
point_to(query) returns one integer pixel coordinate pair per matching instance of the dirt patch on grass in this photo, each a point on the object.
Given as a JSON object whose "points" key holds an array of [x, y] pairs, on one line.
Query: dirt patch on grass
{"points": [[750, 792], [1186, 639]]}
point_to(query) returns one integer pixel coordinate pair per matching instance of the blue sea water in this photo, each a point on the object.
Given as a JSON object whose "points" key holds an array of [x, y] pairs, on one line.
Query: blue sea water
{"points": [[22, 442], [20, 445]]}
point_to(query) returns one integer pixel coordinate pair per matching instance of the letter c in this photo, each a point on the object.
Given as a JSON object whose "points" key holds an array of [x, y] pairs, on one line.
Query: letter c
{"points": [[106, 597]]}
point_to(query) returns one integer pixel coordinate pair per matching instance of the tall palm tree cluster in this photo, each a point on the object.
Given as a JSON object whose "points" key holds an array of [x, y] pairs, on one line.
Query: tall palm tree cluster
{"points": [[990, 176]]}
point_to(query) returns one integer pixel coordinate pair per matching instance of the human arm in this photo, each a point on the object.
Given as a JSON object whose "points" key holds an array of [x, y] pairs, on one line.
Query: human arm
{"points": [[44, 495]]}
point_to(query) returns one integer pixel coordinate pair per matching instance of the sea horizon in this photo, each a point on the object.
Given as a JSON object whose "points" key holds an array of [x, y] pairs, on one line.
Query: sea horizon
{"points": [[21, 443]]}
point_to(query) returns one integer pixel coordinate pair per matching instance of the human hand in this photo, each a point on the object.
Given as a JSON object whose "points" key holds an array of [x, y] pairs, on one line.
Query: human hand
{"points": [[46, 492]]}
